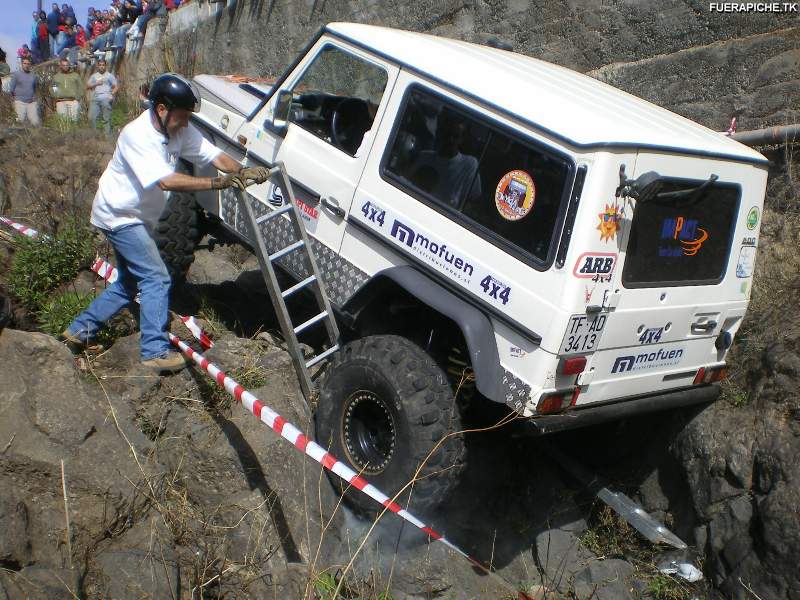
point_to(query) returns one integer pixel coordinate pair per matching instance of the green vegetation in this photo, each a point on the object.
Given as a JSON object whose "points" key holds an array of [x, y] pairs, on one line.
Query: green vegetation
{"points": [[42, 264], [60, 309], [664, 587], [610, 536], [325, 585]]}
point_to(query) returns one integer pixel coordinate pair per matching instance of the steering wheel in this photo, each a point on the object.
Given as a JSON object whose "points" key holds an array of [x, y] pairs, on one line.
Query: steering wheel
{"points": [[349, 122]]}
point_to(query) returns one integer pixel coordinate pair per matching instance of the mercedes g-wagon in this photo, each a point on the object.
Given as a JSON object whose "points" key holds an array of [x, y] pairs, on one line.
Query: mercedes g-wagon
{"points": [[486, 221]]}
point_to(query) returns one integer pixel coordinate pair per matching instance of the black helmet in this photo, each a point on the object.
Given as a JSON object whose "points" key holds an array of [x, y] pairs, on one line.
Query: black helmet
{"points": [[174, 91]]}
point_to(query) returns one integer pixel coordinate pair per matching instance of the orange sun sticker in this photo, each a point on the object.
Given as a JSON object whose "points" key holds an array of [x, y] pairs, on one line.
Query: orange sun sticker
{"points": [[609, 222], [515, 195]]}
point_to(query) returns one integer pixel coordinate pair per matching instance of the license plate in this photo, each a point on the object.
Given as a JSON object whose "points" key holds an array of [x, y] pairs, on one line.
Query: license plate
{"points": [[583, 333]]}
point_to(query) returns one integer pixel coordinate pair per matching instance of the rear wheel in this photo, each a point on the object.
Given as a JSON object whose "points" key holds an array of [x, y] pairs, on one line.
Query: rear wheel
{"points": [[383, 409], [178, 233]]}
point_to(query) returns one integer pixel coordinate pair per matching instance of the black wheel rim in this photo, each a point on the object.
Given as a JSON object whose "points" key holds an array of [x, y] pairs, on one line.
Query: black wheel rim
{"points": [[368, 432]]}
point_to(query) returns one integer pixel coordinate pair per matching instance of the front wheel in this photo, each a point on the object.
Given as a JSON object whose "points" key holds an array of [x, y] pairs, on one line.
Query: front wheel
{"points": [[384, 408], [177, 234]]}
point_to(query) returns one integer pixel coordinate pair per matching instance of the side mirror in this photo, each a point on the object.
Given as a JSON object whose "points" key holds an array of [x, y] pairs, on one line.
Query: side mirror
{"points": [[283, 108]]}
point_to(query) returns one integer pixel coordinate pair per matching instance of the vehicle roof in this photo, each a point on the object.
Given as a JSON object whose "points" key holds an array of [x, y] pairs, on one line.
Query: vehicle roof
{"points": [[568, 105]]}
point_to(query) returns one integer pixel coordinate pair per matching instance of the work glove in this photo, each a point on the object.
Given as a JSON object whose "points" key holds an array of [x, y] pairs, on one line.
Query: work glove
{"points": [[227, 181], [254, 174]]}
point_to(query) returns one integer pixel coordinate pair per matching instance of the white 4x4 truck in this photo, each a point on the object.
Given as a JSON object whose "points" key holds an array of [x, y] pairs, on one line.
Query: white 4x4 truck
{"points": [[586, 255]]}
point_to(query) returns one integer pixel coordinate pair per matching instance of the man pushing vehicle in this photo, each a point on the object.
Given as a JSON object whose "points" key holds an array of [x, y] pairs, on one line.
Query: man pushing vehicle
{"points": [[131, 196]]}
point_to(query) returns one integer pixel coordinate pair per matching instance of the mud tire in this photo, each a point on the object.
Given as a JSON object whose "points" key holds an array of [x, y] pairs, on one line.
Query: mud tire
{"points": [[177, 234], [393, 384]]}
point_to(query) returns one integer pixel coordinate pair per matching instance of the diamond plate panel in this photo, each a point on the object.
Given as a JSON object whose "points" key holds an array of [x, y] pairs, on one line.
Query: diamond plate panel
{"points": [[340, 277], [515, 391]]}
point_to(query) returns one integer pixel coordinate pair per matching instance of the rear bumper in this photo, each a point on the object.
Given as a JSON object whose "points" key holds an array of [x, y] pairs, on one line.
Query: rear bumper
{"points": [[629, 407]]}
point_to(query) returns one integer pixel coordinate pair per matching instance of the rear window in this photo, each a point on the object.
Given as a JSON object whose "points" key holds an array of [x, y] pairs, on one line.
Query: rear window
{"points": [[682, 242], [505, 188]]}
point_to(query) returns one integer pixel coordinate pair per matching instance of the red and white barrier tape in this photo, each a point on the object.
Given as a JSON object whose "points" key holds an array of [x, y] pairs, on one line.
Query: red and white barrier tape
{"points": [[105, 270], [280, 425], [19, 227], [295, 437]]}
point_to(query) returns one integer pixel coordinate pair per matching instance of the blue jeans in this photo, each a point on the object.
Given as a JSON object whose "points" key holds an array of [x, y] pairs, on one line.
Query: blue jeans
{"points": [[61, 43], [140, 270], [97, 106], [119, 36]]}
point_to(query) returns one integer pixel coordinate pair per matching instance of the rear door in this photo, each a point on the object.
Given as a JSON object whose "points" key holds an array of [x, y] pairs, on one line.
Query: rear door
{"points": [[683, 277]]}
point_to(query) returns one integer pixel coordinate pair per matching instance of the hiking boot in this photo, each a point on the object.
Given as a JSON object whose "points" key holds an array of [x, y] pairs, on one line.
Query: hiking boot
{"points": [[76, 344], [169, 361]]}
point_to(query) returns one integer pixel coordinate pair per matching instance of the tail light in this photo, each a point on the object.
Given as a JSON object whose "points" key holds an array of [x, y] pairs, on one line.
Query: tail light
{"points": [[710, 374], [573, 366], [557, 401]]}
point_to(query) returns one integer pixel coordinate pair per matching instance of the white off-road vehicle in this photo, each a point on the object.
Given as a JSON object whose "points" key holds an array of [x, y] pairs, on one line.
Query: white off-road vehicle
{"points": [[479, 215]]}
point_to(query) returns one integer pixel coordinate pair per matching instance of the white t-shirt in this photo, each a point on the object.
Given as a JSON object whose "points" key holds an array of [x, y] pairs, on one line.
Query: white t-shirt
{"points": [[128, 191], [105, 83]]}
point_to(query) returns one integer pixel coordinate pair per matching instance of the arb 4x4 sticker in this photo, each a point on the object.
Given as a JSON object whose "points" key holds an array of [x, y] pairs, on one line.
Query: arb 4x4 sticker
{"points": [[515, 195], [595, 265]]}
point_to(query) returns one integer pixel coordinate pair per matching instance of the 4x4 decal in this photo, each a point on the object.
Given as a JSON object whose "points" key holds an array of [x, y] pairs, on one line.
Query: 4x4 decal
{"points": [[433, 251]]}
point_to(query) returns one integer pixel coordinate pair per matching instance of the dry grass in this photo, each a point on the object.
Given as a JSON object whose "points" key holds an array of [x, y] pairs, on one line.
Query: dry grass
{"points": [[771, 316]]}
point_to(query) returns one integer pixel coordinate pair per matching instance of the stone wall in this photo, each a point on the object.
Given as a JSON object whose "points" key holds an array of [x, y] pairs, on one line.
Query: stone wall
{"points": [[705, 65]]}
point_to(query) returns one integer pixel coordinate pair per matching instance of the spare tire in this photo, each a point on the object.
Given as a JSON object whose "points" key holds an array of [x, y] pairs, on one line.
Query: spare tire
{"points": [[177, 234]]}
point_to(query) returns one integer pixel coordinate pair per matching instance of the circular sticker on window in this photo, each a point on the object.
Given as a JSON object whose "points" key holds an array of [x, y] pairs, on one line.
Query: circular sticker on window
{"points": [[515, 195]]}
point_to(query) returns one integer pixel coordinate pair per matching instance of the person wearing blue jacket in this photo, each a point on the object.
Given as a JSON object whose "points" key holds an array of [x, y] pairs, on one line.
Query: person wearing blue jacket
{"points": [[53, 20]]}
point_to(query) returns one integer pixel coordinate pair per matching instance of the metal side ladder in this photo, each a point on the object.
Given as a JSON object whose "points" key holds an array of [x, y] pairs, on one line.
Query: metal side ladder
{"points": [[312, 282]]}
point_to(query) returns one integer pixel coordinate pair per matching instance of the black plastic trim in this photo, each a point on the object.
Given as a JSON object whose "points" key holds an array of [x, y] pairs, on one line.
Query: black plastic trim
{"points": [[251, 89], [473, 322], [572, 211], [538, 127], [627, 407], [457, 291]]}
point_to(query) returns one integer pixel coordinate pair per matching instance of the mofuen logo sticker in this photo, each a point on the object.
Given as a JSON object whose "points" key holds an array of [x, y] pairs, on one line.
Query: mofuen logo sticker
{"points": [[752, 218], [609, 222], [647, 360], [515, 195], [595, 265], [687, 232]]}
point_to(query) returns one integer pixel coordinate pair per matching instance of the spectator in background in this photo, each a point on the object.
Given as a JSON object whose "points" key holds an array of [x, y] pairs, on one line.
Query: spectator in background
{"points": [[66, 39], [24, 53], [80, 37], [68, 89], [4, 68], [68, 13], [90, 18], [105, 87], [53, 18], [43, 37], [23, 88], [155, 8]]}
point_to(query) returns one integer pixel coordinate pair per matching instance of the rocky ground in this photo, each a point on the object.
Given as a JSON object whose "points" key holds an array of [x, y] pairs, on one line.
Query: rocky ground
{"points": [[115, 483]]}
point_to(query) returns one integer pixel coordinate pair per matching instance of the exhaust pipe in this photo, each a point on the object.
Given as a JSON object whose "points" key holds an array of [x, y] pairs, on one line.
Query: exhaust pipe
{"points": [[768, 135]]}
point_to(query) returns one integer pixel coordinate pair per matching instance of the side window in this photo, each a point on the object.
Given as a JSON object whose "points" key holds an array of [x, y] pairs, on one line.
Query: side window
{"points": [[499, 185], [336, 98]]}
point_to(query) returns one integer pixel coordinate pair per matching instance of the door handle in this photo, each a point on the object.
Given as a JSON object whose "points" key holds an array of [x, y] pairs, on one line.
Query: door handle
{"points": [[704, 327], [332, 205]]}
